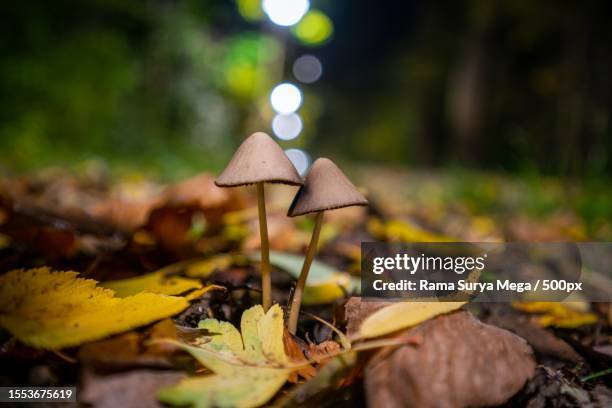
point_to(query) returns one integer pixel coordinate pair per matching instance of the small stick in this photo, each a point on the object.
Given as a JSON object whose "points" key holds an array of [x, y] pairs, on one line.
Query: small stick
{"points": [[266, 282], [296, 301], [63, 356]]}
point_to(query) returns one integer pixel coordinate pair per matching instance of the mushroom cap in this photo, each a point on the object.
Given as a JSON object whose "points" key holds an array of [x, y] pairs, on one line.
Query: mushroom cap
{"points": [[259, 159], [325, 188]]}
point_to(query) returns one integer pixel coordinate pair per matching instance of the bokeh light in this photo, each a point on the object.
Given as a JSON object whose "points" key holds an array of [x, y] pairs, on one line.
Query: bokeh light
{"points": [[286, 98], [250, 10], [307, 69], [314, 29], [287, 127], [300, 160], [285, 12]]}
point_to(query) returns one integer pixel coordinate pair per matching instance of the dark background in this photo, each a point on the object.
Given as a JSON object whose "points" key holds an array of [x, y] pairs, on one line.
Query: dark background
{"points": [[505, 86]]}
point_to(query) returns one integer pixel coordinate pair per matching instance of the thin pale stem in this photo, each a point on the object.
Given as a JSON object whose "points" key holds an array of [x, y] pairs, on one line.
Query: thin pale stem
{"points": [[296, 300], [266, 282]]}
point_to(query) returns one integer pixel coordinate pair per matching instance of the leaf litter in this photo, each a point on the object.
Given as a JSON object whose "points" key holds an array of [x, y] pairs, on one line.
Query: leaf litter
{"points": [[131, 229]]}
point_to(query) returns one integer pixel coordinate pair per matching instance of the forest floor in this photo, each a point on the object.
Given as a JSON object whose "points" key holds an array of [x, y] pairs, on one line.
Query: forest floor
{"points": [[175, 255]]}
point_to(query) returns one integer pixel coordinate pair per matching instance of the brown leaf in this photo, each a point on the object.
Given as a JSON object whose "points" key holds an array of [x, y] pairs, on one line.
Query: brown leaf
{"points": [[324, 351], [357, 310], [130, 350], [296, 355], [125, 215], [542, 341], [461, 362], [199, 191], [181, 204], [323, 389], [136, 388]]}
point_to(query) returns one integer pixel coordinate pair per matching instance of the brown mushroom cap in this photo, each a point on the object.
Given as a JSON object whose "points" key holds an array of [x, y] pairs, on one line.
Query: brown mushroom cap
{"points": [[259, 159], [325, 188]]}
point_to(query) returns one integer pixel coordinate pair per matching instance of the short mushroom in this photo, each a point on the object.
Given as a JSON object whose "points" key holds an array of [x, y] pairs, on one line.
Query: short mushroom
{"points": [[259, 160], [325, 188]]}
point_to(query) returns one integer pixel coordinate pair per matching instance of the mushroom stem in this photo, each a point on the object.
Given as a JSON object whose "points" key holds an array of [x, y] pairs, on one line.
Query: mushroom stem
{"points": [[266, 283], [296, 300]]}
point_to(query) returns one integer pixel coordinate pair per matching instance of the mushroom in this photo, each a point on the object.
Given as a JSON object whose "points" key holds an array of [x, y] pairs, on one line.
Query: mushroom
{"points": [[260, 160], [325, 188]]}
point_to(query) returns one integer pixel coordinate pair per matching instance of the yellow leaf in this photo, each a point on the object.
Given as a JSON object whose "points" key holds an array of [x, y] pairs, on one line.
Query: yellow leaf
{"points": [[52, 310], [205, 267], [402, 315], [336, 287], [199, 292], [155, 282], [568, 315], [248, 369], [403, 231]]}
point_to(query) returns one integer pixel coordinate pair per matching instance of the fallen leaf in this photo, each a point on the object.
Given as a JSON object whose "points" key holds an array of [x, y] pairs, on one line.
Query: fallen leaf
{"points": [[188, 209], [327, 380], [199, 190], [557, 314], [220, 262], [170, 226], [323, 352], [154, 282], [462, 362], [296, 355], [402, 315], [542, 341], [248, 369], [124, 214], [132, 349], [52, 310], [403, 231], [356, 311], [132, 389]]}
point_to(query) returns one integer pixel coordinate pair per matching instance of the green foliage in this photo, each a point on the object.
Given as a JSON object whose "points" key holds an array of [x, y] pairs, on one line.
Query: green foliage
{"points": [[136, 84]]}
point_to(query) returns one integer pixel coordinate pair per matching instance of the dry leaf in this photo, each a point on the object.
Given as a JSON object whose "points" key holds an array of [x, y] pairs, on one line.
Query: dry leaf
{"points": [[132, 349], [462, 362], [558, 314], [542, 341], [248, 369], [356, 311], [154, 282], [123, 214], [132, 389], [324, 351], [402, 315], [219, 262], [296, 355], [315, 392], [200, 191], [52, 310]]}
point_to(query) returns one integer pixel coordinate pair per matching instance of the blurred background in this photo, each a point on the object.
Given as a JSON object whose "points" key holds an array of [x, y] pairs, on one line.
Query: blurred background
{"points": [[463, 89]]}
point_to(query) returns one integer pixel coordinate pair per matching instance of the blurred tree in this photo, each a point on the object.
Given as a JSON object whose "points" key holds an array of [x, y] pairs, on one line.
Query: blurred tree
{"points": [[147, 83], [507, 85]]}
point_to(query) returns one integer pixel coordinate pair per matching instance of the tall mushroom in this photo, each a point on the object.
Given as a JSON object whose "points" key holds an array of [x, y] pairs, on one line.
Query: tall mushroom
{"points": [[325, 188], [260, 160]]}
